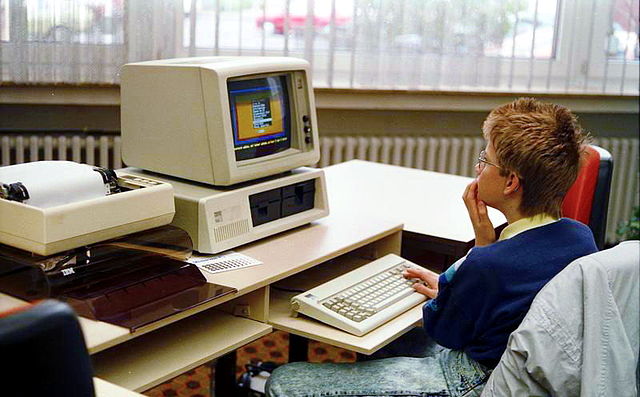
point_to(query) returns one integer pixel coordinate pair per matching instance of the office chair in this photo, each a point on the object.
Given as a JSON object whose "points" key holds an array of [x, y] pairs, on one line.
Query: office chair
{"points": [[587, 200], [580, 336], [43, 352]]}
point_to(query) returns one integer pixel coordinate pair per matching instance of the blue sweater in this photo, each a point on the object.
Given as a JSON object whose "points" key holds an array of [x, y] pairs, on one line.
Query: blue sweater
{"points": [[490, 293]]}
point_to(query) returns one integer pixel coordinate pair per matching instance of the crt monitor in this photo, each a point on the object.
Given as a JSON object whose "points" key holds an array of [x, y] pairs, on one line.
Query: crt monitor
{"points": [[218, 120]]}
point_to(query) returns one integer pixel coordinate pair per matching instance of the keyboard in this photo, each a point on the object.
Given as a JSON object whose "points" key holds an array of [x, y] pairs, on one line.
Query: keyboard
{"points": [[363, 299]]}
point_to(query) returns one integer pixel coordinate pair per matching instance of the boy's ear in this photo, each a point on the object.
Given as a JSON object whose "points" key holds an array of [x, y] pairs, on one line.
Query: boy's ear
{"points": [[512, 185]]}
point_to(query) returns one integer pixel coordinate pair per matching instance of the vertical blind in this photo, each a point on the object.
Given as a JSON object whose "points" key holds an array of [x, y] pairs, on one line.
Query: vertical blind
{"points": [[557, 46]]}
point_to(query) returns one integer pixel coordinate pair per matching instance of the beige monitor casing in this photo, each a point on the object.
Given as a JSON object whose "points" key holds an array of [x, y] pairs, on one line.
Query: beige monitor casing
{"points": [[176, 118], [47, 231], [218, 219]]}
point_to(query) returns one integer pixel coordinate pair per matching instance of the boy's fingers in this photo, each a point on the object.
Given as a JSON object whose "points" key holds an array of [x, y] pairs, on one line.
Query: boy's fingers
{"points": [[413, 271], [471, 202], [423, 274], [484, 214], [466, 192], [469, 192], [424, 290], [482, 209]]}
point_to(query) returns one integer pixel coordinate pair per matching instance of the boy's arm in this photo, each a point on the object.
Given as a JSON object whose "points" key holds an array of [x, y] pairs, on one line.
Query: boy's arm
{"points": [[462, 304]]}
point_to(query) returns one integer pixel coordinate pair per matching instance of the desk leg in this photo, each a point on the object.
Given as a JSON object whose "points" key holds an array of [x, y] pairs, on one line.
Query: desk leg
{"points": [[224, 380], [298, 348]]}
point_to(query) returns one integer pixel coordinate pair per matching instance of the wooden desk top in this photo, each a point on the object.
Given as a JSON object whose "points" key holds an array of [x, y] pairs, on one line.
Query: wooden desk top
{"points": [[304, 247], [428, 203]]}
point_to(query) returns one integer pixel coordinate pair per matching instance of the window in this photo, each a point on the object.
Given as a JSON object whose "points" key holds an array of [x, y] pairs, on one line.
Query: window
{"points": [[466, 45], [558, 46], [4, 21]]}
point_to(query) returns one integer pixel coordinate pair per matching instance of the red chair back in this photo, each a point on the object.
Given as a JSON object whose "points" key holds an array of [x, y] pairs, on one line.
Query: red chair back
{"points": [[579, 199], [587, 200]]}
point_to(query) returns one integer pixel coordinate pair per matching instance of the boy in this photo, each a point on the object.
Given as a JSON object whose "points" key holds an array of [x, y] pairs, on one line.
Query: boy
{"points": [[531, 160]]}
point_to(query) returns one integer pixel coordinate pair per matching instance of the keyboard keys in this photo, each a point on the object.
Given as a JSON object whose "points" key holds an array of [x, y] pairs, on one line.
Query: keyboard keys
{"points": [[372, 295], [364, 298]]}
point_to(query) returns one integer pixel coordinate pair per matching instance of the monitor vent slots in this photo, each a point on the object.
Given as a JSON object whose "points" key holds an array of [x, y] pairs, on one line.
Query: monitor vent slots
{"points": [[231, 230]]}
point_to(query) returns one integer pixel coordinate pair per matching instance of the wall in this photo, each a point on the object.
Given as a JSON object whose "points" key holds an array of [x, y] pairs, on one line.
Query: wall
{"points": [[340, 112]]}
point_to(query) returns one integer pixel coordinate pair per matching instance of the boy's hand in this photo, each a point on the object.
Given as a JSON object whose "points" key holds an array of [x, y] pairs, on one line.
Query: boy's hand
{"points": [[482, 226], [429, 284]]}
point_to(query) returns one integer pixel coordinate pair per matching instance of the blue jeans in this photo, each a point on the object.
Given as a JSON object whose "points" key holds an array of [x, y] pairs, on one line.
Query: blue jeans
{"points": [[425, 369]]}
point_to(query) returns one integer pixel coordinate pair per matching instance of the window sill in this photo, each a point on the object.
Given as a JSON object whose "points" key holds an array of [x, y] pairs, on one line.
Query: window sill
{"points": [[346, 99]]}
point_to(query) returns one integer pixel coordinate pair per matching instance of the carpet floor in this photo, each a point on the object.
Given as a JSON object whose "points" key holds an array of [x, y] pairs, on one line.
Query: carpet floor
{"points": [[273, 347]]}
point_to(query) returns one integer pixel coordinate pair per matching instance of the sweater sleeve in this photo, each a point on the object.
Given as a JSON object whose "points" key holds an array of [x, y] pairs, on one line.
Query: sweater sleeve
{"points": [[453, 317]]}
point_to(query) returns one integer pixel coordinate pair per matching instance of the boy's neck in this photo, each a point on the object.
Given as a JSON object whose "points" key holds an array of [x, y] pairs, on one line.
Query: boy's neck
{"points": [[512, 212]]}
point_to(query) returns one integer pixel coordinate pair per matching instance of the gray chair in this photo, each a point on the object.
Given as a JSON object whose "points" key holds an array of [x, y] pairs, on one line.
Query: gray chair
{"points": [[581, 334], [43, 353]]}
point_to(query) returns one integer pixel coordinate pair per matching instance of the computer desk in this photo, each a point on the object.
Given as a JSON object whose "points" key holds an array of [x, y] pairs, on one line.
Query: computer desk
{"points": [[164, 349], [363, 225]]}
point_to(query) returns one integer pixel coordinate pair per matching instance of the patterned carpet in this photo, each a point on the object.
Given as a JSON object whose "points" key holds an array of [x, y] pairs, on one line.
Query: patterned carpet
{"points": [[273, 347]]}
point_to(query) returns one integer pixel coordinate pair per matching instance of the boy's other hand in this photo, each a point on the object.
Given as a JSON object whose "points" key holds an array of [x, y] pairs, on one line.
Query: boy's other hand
{"points": [[429, 281], [482, 226]]}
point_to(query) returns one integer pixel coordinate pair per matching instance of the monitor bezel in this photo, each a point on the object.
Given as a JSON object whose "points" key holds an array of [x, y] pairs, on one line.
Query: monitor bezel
{"points": [[294, 138], [304, 149]]}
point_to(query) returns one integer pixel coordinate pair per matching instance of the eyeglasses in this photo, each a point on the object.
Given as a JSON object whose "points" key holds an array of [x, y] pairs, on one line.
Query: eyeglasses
{"points": [[482, 161]]}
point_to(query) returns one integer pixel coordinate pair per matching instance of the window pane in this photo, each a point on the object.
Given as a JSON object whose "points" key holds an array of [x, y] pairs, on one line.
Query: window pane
{"points": [[75, 21], [623, 36], [527, 24], [4, 20], [267, 24], [495, 28], [371, 42]]}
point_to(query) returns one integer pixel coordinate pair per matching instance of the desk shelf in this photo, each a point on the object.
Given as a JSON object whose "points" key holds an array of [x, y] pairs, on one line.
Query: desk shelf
{"points": [[280, 318], [106, 389], [143, 363], [280, 307]]}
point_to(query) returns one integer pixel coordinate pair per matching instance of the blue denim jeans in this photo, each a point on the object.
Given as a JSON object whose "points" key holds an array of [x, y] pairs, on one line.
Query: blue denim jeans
{"points": [[425, 369]]}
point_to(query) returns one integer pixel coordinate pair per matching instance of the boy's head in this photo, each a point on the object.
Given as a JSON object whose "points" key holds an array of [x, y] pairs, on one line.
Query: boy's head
{"points": [[541, 144]]}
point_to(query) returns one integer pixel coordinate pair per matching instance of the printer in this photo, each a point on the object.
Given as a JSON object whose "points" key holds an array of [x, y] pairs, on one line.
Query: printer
{"points": [[97, 239]]}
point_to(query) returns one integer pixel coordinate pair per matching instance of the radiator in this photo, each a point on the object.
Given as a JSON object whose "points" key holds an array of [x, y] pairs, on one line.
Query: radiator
{"points": [[459, 155], [442, 154], [103, 150]]}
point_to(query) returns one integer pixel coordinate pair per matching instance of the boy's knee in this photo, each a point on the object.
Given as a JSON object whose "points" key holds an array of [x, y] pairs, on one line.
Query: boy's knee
{"points": [[285, 381]]}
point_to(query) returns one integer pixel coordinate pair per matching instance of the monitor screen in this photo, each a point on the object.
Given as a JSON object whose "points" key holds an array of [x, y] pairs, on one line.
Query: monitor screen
{"points": [[260, 116]]}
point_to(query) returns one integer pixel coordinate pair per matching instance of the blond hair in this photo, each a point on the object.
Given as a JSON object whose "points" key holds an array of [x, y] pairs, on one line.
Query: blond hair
{"points": [[542, 144]]}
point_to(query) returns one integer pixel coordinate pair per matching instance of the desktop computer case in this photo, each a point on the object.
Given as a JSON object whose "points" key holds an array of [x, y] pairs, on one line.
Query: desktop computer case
{"points": [[221, 218]]}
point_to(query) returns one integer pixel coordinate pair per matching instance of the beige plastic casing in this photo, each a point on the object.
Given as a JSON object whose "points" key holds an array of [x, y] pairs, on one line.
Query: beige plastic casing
{"points": [[218, 219], [176, 118], [47, 231]]}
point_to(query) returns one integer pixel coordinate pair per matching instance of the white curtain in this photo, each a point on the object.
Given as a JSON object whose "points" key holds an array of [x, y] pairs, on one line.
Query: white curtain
{"points": [[537, 46]]}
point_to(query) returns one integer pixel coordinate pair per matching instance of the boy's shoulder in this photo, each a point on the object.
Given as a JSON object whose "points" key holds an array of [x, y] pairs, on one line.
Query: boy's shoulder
{"points": [[564, 228], [541, 241]]}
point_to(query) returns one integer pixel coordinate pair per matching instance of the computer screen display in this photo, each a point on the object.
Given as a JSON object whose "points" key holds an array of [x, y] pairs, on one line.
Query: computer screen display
{"points": [[260, 116]]}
